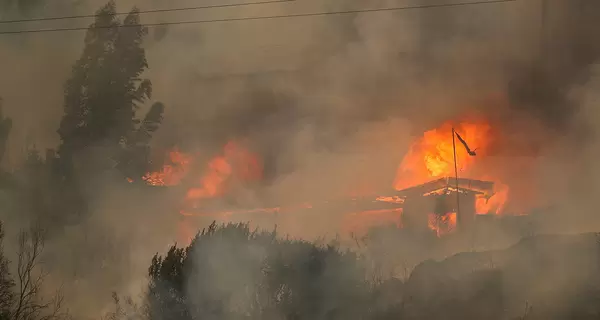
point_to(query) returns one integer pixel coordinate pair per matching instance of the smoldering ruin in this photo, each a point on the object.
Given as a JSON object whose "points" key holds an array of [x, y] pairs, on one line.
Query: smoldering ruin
{"points": [[319, 135]]}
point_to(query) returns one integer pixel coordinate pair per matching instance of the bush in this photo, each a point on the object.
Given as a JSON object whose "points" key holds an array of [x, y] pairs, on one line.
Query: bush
{"points": [[231, 272]]}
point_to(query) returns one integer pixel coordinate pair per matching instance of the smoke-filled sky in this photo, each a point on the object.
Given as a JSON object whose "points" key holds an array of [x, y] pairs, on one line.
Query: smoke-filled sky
{"points": [[330, 102], [337, 71], [313, 79]]}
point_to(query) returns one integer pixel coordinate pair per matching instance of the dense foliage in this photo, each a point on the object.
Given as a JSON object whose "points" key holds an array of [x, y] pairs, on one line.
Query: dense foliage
{"points": [[104, 94], [103, 133], [231, 272]]}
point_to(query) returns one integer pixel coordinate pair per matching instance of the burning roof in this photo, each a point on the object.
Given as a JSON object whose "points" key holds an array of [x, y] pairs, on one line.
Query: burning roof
{"points": [[485, 188]]}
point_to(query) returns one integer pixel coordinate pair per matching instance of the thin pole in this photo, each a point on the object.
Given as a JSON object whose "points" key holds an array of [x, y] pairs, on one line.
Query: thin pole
{"points": [[456, 175]]}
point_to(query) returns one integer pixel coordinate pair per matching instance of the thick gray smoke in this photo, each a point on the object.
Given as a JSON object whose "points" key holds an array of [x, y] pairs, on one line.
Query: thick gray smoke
{"points": [[330, 103]]}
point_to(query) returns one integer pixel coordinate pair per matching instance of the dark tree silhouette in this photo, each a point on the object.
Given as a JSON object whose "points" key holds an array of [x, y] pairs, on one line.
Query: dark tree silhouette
{"points": [[21, 296], [6, 282], [106, 90], [29, 302], [124, 309], [135, 159]]}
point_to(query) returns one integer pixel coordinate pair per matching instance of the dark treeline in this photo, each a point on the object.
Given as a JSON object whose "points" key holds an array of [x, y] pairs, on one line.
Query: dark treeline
{"points": [[234, 272]]}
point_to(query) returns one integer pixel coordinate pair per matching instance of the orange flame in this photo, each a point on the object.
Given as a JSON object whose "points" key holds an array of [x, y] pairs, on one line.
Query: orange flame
{"points": [[173, 172], [442, 224], [234, 162], [429, 157], [432, 156], [496, 203]]}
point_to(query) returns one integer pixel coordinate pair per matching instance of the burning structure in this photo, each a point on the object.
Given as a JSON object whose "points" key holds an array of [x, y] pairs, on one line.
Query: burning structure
{"points": [[427, 196], [421, 194], [439, 205]]}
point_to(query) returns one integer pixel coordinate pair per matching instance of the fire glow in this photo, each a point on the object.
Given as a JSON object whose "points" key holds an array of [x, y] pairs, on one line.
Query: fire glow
{"points": [[432, 156], [233, 163], [173, 172], [429, 157]]}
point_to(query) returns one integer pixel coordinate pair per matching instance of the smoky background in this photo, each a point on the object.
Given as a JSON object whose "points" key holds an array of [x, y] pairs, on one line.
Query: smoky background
{"points": [[330, 103]]}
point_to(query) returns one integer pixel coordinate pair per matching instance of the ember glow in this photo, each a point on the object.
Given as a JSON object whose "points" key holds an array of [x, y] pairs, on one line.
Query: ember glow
{"points": [[173, 172], [442, 224]]}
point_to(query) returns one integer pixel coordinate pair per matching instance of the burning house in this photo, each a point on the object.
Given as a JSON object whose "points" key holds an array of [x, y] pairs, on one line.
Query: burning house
{"points": [[443, 205], [425, 196]]}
